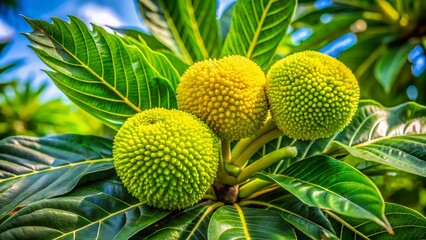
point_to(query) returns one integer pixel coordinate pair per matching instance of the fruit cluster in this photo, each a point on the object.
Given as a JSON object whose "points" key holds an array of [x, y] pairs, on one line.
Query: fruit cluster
{"points": [[169, 158]]}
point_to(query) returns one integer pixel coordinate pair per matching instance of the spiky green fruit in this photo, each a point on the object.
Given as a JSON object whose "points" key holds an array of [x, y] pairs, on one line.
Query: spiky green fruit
{"points": [[166, 158], [228, 94], [311, 95]]}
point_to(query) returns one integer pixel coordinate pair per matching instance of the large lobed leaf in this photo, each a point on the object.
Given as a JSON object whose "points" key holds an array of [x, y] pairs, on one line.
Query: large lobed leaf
{"points": [[102, 73], [407, 224], [234, 222], [310, 222], [326, 183], [395, 137], [391, 136], [188, 27], [256, 29], [103, 210], [33, 169], [190, 223]]}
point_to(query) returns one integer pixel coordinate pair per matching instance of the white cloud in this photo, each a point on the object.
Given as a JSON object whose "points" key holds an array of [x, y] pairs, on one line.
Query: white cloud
{"points": [[99, 15], [6, 32]]}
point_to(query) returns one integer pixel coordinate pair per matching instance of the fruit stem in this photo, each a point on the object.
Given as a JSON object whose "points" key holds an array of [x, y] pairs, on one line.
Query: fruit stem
{"points": [[244, 143], [266, 161], [252, 187], [254, 146], [222, 175], [226, 151]]}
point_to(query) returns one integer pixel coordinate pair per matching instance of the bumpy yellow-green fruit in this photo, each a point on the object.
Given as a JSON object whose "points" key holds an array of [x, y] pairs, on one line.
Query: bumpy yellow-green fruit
{"points": [[311, 95], [166, 158], [228, 94]]}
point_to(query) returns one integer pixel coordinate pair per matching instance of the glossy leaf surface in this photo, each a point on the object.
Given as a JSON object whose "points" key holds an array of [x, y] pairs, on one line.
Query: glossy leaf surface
{"points": [[327, 183], [188, 27], [256, 29], [100, 72], [234, 222], [33, 169], [104, 210]]}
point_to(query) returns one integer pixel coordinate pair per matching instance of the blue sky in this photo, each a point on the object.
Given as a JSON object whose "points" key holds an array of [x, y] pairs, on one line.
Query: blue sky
{"points": [[117, 13]]}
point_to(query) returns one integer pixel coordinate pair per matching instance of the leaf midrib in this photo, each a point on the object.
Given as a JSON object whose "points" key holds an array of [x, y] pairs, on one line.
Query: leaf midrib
{"points": [[175, 33], [102, 219], [58, 167], [328, 190], [125, 99], [368, 142], [259, 29]]}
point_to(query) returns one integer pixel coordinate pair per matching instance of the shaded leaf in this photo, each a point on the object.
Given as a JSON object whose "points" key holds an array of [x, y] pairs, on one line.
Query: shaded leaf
{"points": [[103, 210], [32, 169], [311, 221], [189, 28], [405, 153], [100, 72], [257, 27], [372, 124], [407, 224], [327, 183], [248, 223], [181, 224], [390, 64]]}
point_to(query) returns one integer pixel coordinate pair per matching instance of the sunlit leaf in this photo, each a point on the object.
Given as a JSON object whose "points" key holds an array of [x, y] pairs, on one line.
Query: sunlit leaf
{"points": [[103, 210], [327, 183], [256, 29], [189, 28], [234, 222], [32, 169], [100, 72]]}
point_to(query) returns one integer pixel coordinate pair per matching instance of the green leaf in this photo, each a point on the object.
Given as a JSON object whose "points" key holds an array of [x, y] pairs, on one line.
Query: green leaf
{"points": [[188, 27], [190, 223], [311, 221], [389, 65], [394, 137], [372, 124], [407, 224], [104, 210], [32, 169], [101, 73], [257, 28], [401, 152], [156, 45], [327, 183], [150, 40], [225, 20], [234, 222]]}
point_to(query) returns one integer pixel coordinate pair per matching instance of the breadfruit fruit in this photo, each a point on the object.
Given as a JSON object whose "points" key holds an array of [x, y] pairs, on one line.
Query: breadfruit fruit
{"points": [[166, 158], [228, 94], [311, 95]]}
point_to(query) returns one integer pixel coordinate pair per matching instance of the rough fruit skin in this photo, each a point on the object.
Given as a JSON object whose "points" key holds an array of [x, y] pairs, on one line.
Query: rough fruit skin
{"points": [[166, 158], [228, 94], [311, 95]]}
